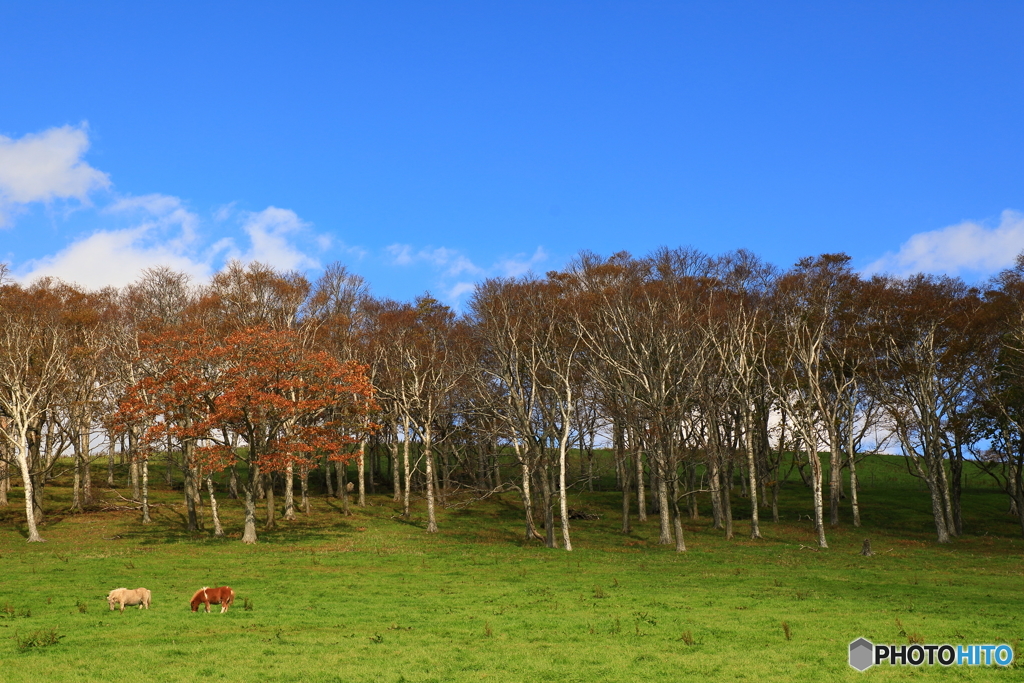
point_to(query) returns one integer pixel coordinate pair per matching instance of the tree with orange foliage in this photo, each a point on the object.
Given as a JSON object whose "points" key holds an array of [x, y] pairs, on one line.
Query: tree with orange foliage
{"points": [[249, 295], [288, 405]]}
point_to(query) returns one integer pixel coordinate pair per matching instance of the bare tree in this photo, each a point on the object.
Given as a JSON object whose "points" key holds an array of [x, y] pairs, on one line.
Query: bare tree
{"points": [[740, 329], [932, 346], [334, 318], [811, 300], [999, 411], [530, 343], [424, 363], [33, 364], [643, 325]]}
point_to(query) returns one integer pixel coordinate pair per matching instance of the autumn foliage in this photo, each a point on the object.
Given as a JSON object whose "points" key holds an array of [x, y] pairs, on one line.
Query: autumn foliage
{"points": [[705, 374], [290, 404], [256, 397]]}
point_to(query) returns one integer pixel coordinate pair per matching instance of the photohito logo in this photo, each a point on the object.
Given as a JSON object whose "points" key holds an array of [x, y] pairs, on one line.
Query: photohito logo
{"points": [[864, 654]]}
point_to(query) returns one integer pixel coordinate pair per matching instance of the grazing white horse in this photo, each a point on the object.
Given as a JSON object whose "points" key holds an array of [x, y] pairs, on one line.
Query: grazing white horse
{"points": [[123, 596]]}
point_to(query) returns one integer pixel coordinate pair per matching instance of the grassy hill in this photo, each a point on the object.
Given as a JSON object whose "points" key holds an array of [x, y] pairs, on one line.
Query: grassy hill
{"points": [[372, 597]]}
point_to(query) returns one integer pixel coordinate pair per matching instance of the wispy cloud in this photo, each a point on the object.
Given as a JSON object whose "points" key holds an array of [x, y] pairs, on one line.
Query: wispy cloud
{"points": [[970, 246], [453, 264], [224, 212], [401, 254], [459, 290], [44, 167], [156, 229], [520, 265]]}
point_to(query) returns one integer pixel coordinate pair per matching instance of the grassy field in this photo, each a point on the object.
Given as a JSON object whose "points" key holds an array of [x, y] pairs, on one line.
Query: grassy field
{"points": [[372, 597]]}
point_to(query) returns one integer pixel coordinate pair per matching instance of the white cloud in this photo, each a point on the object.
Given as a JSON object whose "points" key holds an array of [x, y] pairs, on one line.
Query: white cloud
{"points": [[224, 212], [460, 289], [166, 235], [356, 252], [453, 263], [967, 246], [110, 257], [151, 230], [517, 265], [401, 254], [43, 167], [160, 211], [269, 233]]}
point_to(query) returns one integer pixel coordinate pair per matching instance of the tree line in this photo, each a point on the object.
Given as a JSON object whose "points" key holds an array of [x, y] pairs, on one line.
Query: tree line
{"points": [[704, 374]]}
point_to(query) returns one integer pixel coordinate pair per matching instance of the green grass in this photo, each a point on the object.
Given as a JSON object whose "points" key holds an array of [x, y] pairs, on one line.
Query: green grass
{"points": [[374, 598]]}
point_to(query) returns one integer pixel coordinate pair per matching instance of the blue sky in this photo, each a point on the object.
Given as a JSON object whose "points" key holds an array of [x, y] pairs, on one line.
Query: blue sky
{"points": [[429, 145]]}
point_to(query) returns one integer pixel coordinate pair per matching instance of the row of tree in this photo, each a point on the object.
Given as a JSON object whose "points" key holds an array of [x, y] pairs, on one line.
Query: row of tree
{"points": [[702, 373]]}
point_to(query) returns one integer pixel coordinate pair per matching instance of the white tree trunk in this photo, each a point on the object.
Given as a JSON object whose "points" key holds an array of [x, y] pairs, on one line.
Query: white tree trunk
{"points": [[641, 500], [853, 467], [304, 482], [30, 513], [405, 466], [217, 530], [144, 464], [362, 474], [563, 503], [5, 482], [816, 482], [665, 512], [531, 529], [396, 475], [110, 461], [755, 526], [431, 519], [289, 492], [249, 533]]}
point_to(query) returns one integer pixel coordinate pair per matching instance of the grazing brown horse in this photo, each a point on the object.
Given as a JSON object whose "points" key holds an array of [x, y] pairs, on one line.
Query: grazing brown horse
{"points": [[122, 596], [222, 596]]}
